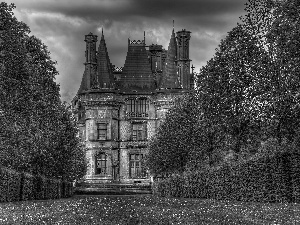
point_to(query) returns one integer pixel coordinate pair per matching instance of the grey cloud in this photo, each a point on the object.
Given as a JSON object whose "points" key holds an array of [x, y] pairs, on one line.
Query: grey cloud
{"points": [[125, 10]]}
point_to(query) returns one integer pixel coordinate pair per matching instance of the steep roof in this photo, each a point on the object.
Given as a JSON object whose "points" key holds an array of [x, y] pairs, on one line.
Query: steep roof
{"points": [[169, 78], [104, 70], [137, 74], [83, 83]]}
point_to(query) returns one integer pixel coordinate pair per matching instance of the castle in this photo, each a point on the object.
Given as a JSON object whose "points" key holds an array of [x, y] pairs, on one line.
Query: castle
{"points": [[119, 109]]}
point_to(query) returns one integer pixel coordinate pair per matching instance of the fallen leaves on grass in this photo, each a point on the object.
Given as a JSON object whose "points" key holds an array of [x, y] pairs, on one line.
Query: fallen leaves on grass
{"points": [[145, 210]]}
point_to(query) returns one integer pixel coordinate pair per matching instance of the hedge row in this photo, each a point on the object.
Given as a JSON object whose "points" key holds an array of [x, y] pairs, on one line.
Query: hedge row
{"points": [[15, 186], [273, 178]]}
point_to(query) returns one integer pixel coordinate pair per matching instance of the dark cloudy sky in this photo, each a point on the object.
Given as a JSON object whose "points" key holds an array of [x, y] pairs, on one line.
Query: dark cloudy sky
{"points": [[62, 24]]}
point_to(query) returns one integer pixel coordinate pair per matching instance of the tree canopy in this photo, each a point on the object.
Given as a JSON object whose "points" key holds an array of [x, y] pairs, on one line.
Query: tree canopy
{"points": [[248, 92], [37, 133]]}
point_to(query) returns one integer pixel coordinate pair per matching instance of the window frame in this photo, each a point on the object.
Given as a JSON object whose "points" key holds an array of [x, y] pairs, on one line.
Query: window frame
{"points": [[140, 105], [100, 159], [139, 132], [101, 129], [136, 166]]}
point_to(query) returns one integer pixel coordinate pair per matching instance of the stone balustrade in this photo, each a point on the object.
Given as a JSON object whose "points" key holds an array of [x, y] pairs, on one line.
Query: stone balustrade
{"points": [[136, 114]]}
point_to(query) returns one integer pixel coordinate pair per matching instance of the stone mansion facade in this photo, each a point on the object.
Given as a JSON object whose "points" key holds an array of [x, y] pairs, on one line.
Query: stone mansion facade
{"points": [[119, 109]]}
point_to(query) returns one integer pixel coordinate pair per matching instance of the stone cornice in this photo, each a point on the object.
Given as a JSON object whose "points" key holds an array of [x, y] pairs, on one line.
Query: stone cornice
{"points": [[137, 144]]}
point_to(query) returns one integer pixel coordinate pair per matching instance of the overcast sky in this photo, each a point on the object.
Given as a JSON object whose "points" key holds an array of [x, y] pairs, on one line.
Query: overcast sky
{"points": [[62, 24]]}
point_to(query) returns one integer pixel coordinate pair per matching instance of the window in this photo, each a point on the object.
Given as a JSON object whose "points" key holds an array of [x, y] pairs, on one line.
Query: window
{"points": [[101, 164], [131, 105], [139, 105], [102, 131], [139, 132], [136, 169]]}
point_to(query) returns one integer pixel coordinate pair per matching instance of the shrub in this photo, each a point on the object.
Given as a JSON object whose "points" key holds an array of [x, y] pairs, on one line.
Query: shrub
{"points": [[52, 189], [40, 186], [27, 187], [69, 189], [15, 186], [264, 178], [10, 185]]}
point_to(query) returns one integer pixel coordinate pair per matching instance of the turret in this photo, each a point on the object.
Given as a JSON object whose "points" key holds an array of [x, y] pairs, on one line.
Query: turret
{"points": [[170, 77], [90, 53], [104, 67], [156, 52]]}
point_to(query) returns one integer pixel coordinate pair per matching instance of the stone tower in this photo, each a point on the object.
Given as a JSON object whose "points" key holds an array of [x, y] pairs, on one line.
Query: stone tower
{"points": [[183, 60], [156, 60], [90, 62]]}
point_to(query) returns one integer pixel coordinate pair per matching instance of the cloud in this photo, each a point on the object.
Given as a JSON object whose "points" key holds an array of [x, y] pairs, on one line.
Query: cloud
{"points": [[120, 9]]}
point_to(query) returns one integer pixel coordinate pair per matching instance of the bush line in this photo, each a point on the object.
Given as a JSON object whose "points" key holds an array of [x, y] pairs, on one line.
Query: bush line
{"points": [[17, 186], [273, 178]]}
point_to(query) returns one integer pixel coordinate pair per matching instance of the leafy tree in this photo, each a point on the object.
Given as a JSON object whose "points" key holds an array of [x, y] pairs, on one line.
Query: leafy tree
{"points": [[14, 97], [186, 139], [248, 92], [37, 132], [230, 86], [276, 25], [169, 148], [67, 160]]}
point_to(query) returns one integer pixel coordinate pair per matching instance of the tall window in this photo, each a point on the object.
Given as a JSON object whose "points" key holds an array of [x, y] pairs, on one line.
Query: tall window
{"points": [[137, 169], [102, 131], [101, 164], [131, 105], [139, 132]]}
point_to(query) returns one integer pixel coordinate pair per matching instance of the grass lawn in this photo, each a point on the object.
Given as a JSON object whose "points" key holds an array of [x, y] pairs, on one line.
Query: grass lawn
{"points": [[146, 209]]}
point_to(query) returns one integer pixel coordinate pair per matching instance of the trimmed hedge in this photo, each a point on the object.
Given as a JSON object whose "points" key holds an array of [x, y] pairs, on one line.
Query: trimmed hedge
{"points": [[52, 190], [40, 183], [273, 178], [27, 184], [15, 186], [70, 189], [10, 185]]}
